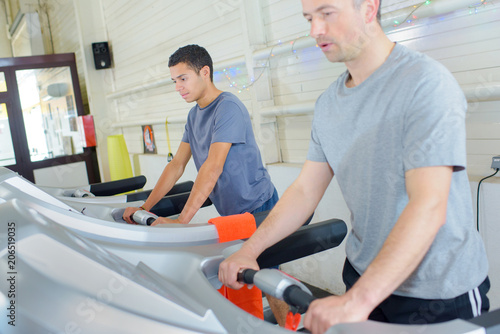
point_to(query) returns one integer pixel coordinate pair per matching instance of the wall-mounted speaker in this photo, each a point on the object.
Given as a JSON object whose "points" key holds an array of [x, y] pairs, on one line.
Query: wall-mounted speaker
{"points": [[102, 56]]}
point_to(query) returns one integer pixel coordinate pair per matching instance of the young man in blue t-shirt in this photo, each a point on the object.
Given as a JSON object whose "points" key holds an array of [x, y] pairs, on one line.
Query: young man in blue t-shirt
{"points": [[219, 137]]}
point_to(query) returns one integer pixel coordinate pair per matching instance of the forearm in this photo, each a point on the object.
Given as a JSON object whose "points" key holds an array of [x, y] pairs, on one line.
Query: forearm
{"points": [[402, 252], [172, 172], [203, 186]]}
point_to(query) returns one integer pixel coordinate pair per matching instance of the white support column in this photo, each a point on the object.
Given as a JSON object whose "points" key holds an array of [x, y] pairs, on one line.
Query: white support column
{"points": [[254, 37], [5, 45], [92, 28], [43, 16]]}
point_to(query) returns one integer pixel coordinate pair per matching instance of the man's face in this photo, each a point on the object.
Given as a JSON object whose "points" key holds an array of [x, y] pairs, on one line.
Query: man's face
{"points": [[187, 82], [337, 26]]}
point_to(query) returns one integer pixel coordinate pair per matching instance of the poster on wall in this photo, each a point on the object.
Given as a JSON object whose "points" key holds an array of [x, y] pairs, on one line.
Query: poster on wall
{"points": [[148, 139]]}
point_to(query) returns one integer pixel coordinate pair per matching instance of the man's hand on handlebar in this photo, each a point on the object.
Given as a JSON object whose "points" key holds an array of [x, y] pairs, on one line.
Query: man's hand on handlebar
{"points": [[129, 212], [229, 268], [326, 312]]}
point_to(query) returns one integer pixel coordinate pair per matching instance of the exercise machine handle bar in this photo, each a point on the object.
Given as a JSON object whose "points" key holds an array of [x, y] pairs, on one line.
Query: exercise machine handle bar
{"points": [[143, 217], [279, 285]]}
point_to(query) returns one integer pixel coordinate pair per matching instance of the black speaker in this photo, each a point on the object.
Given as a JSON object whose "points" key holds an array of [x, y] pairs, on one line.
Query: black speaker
{"points": [[102, 56]]}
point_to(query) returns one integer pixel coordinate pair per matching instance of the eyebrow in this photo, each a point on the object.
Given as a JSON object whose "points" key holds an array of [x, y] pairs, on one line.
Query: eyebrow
{"points": [[319, 9], [177, 77]]}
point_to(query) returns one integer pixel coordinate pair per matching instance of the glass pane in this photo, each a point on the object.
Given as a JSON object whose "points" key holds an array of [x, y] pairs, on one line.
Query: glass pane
{"points": [[49, 112], [7, 156], [3, 84]]}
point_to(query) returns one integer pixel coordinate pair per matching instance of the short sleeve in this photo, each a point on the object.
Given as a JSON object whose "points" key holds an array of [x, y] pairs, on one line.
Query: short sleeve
{"points": [[229, 124], [185, 136], [315, 152], [434, 133]]}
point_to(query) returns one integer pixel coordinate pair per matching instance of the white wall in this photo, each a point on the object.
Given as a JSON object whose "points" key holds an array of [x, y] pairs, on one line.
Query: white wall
{"points": [[489, 228], [64, 34]]}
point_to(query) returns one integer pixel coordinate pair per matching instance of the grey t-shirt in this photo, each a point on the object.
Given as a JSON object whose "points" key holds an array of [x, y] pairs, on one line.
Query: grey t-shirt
{"points": [[244, 184], [409, 113]]}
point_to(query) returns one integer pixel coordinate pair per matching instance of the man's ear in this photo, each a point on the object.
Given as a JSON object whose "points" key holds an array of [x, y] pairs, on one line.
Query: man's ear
{"points": [[205, 72], [371, 10]]}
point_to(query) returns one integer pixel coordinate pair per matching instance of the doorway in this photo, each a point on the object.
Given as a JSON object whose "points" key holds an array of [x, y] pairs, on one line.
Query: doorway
{"points": [[40, 102]]}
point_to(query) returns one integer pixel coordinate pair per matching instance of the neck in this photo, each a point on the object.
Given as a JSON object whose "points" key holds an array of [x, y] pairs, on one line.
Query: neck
{"points": [[373, 55], [210, 94]]}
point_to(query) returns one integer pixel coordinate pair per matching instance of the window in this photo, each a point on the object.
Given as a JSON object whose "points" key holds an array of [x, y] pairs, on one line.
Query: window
{"points": [[3, 83], [49, 113], [7, 156]]}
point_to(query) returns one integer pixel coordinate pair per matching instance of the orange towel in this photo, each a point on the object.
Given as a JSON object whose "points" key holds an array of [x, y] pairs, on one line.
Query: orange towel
{"points": [[233, 228], [247, 300]]}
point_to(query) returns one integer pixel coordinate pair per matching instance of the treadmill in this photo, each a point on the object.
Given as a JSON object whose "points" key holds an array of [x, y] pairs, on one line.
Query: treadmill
{"points": [[63, 282]]}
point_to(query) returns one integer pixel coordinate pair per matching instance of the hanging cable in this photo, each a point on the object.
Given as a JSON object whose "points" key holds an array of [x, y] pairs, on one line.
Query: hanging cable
{"points": [[477, 201], [170, 156], [46, 10]]}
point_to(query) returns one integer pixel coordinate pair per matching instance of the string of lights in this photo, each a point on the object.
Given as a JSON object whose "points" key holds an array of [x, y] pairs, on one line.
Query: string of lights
{"points": [[474, 7], [229, 71], [414, 17]]}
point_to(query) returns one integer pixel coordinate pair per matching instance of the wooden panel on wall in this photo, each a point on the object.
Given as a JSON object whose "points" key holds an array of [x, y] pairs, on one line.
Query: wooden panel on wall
{"points": [[64, 33], [294, 135], [144, 34]]}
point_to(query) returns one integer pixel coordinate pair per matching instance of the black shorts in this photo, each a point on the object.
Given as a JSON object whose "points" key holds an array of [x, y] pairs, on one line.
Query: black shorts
{"points": [[416, 311]]}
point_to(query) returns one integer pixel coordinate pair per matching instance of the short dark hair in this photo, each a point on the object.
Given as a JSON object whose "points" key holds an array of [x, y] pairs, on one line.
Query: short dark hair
{"points": [[193, 56]]}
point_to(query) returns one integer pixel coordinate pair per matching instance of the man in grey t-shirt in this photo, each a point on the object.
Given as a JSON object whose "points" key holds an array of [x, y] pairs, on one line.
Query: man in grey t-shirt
{"points": [[392, 129]]}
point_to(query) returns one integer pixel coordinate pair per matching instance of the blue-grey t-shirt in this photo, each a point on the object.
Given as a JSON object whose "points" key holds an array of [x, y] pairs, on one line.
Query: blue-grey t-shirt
{"points": [[409, 113], [244, 184]]}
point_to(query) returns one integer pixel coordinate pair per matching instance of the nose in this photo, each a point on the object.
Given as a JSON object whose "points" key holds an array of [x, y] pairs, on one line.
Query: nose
{"points": [[318, 27], [178, 86]]}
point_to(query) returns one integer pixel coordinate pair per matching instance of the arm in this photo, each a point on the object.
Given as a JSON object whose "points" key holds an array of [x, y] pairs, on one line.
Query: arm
{"points": [[203, 185], [291, 211], [172, 172], [403, 250]]}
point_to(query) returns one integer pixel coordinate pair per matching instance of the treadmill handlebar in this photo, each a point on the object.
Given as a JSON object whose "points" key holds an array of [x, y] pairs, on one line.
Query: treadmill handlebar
{"points": [[279, 285], [143, 217], [178, 188], [118, 186], [295, 296], [246, 276], [81, 193], [307, 240]]}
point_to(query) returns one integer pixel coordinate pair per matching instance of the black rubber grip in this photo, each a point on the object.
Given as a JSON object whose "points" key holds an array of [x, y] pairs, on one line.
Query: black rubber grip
{"points": [[246, 276], [181, 187], [150, 221], [178, 188], [173, 205], [307, 240], [139, 196], [118, 186], [295, 296]]}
